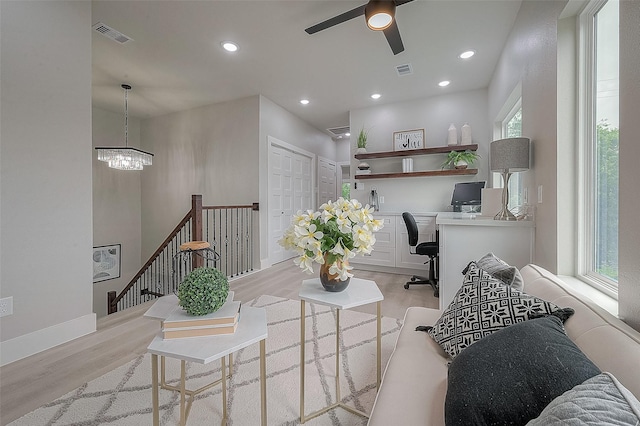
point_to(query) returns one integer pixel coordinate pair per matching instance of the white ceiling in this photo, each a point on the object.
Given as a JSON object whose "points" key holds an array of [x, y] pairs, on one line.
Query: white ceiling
{"points": [[176, 62]]}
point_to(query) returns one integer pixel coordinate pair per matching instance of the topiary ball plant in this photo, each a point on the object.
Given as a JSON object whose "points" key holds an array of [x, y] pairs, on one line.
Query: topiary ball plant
{"points": [[203, 291]]}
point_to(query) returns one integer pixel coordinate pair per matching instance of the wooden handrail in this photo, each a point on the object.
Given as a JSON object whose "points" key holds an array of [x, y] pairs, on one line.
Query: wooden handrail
{"points": [[196, 227], [112, 299], [254, 207]]}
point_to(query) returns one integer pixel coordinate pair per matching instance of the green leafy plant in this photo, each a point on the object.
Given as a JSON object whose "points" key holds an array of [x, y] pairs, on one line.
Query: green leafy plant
{"points": [[455, 156], [362, 139], [203, 291]]}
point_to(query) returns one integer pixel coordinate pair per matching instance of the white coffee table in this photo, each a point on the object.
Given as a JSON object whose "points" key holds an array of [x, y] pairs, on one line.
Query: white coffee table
{"points": [[252, 328], [359, 292]]}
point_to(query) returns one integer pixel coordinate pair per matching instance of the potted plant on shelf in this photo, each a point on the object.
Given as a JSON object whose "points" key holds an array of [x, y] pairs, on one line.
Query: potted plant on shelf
{"points": [[460, 159], [361, 143], [330, 237]]}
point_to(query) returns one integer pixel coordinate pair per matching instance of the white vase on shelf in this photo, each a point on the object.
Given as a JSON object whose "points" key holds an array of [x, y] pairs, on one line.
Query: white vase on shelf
{"points": [[452, 138], [466, 134]]}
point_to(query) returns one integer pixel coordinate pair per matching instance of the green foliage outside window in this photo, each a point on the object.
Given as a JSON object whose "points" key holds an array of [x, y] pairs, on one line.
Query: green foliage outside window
{"points": [[346, 190], [607, 161]]}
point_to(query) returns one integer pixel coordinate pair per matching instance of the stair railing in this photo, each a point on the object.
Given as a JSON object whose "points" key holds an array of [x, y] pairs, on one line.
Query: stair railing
{"points": [[229, 230]]}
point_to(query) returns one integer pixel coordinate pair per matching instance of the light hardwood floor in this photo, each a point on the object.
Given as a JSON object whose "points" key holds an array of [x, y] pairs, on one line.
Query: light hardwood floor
{"points": [[31, 382]]}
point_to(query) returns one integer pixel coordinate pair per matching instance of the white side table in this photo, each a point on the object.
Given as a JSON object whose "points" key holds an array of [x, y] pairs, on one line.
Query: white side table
{"points": [[252, 328], [359, 292]]}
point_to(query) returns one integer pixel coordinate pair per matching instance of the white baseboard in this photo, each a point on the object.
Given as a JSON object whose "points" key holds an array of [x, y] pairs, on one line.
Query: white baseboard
{"points": [[32, 343]]}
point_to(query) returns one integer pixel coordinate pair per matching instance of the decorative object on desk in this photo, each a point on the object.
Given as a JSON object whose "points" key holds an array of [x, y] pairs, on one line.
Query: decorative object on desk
{"points": [[465, 138], [460, 159], [125, 158], [408, 139], [361, 143], [452, 136], [106, 262], [407, 165], [203, 291], [508, 156], [332, 236]]}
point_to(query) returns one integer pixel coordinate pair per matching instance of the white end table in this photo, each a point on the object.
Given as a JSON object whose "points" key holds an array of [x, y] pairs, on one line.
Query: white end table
{"points": [[359, 292], [252, 328]]}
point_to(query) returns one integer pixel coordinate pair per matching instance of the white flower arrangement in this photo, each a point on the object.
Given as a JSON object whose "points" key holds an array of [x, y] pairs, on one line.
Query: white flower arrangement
{"points": [[334, 234]]}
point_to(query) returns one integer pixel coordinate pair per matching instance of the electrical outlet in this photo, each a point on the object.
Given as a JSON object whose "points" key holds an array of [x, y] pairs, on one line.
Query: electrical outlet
{"points": [[381, 199], [6, 306]]}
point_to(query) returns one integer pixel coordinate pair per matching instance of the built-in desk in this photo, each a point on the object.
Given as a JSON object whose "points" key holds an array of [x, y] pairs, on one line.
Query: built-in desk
{"points": [[465, 237]]}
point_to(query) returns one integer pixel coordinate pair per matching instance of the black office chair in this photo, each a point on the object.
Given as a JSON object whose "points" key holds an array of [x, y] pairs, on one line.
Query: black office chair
{"points": [[423, 249]]}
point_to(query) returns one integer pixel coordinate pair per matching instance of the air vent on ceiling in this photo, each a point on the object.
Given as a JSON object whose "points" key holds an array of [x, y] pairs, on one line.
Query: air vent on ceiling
{"points": [[107, 31], [404, 69], [339, 131]]}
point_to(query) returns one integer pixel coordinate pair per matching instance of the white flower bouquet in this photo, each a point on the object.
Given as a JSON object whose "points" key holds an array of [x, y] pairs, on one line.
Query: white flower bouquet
{"points": [[332, 235]]}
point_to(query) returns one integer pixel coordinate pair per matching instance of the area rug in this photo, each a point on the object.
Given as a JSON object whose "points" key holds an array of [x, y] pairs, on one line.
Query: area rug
{"points": [[123, 396]]}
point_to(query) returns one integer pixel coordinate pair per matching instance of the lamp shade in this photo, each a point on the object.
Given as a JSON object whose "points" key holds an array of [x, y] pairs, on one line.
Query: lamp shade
{"points": [[510, 154]]}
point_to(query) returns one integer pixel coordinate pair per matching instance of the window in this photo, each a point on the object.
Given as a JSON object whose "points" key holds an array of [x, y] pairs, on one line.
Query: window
{"points": [[510, 126], [598, 127]]}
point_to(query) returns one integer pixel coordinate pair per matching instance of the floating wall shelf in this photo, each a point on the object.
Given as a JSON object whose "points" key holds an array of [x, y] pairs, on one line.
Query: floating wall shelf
{"points": [[413, 153], [451, 172]]}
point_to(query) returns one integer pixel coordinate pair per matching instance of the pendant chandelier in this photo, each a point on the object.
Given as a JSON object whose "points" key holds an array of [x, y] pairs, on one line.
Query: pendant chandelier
{"points": [[125, 158]]}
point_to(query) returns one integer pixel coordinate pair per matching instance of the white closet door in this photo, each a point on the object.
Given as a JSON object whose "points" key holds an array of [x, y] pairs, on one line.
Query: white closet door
{"points": [[290, 190], [327, 189]]}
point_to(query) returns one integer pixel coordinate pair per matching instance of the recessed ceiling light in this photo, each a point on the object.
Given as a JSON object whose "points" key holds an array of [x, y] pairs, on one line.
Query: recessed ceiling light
{"points": [[376, 96], [444, 83], [229, 46], [347, 134], [467, 54], [304, 101]]}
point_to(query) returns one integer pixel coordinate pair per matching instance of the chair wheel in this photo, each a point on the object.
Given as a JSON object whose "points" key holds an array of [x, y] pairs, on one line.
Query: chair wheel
{"points": [[406, 286], [413, 278]]}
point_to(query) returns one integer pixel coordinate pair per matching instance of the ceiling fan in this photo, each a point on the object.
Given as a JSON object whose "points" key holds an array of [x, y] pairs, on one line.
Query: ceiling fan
{"points": [[380, 16]]}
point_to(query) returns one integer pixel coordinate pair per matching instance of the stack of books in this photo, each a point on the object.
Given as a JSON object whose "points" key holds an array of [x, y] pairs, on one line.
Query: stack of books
{"points": [[180, 324]]}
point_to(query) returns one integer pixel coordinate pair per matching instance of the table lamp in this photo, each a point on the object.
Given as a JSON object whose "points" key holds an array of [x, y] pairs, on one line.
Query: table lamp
{"points": [[508, 156]]}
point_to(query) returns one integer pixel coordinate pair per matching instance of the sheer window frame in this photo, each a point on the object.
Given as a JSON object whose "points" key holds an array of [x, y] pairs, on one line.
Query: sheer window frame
{"points": [[587, 170]]}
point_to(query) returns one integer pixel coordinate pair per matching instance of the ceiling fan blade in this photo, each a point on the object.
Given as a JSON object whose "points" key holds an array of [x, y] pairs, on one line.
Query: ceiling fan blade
{"points": [[401, 2], [393, 37], [353, 13]]}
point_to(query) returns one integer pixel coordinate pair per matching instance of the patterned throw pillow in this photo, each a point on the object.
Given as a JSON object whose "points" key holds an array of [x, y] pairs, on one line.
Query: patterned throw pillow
{"points": [[482, 306]]}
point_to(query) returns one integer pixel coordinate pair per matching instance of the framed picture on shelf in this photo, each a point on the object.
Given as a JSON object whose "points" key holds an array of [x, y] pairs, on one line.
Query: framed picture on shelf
{"points": [[406, 140], [106, 263]]}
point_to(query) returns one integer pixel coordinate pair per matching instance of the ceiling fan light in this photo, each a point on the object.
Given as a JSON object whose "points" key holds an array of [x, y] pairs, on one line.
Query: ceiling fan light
{"points": [[379, 14]]}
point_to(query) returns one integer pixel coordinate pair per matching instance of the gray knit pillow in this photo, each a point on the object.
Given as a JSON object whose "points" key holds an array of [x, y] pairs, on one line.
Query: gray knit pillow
{"points": [[500, 270]]}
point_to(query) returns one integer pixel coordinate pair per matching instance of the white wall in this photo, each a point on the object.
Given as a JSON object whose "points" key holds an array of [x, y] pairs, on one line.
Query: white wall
{"points": [[423, 194], [46, 174], [530, 57], [281, 124], [211, 150], [629, 225], [116, 203]]}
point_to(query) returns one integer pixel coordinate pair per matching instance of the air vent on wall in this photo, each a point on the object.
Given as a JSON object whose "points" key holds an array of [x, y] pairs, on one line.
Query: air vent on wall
{"points": [[338, 131], [107, 31], [404, 69]]}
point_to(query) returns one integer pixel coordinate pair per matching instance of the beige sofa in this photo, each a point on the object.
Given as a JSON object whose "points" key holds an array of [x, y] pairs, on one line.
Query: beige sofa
{"points": [[414, 384]]}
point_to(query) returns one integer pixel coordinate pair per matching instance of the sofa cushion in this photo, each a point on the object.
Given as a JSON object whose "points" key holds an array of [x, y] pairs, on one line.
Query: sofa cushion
{"points": [[509, 377], [482, 306], [601, 400], [501, 270]]}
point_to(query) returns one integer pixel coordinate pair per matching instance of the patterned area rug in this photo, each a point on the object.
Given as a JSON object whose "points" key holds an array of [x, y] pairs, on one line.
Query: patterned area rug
{"points": [[123, 396]]}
